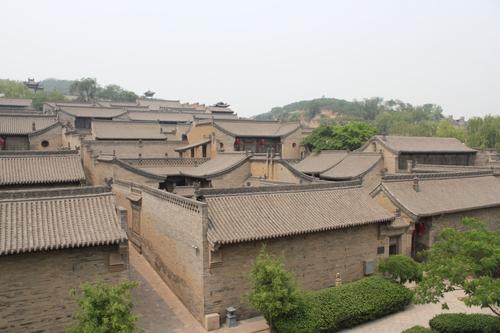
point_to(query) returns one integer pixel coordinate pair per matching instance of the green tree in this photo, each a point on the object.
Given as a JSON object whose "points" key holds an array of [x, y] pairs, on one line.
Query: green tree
{"points": [[401, 268], [273, 291], [350, 136], [484, 132], [85, 89], [116, 93], [468, 261], [105, 308], [446, 130]]}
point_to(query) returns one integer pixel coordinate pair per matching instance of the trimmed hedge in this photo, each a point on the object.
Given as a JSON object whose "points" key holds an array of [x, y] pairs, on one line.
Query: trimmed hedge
{"points": [[333, 309], [465, 323], [418, 329]]}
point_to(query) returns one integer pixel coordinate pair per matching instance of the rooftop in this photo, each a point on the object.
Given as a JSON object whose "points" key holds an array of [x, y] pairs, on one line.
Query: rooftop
{"points": [[418, 144], [443, 193], [221, 163], [319, 162], [57, 219], [255, 128], [92, 111], [127, 130], [352, 166], [43, 167], [24, 124], [280, 211], [16, 102]]}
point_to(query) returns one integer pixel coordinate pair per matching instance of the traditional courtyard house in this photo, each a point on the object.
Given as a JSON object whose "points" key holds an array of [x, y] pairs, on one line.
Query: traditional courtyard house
{"points": [[433, 201], [42, 169], [399, 151], [259, 137], [205, 248], [51, 241], [15, 104], [28, 131], [81, 117]]}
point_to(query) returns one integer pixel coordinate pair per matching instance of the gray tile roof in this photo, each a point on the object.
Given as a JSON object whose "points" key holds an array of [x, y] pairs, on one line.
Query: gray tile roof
{"points": [[58, 221], [320, 162], [273, 214], [23, 124], [92, 112], [423, 144], [15, 102], [221, 163], [444, 194], [28, 168], [161, 167], [160, 116], [352, 166], [256, 128], [127, 130]]}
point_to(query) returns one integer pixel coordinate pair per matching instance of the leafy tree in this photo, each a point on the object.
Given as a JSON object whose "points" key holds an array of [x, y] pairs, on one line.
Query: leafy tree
{"points": [[350, 136], [468, 261], [116, 93], [447, 130], [105, 308], [401, 268], [484, 132], [15, 89], [85, 89], [273, 293]]}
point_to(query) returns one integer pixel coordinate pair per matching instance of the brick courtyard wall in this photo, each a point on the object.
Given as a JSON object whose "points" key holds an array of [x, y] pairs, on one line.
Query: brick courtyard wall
{"points": [[35, 287], [234, 178], [53, 136], [491, 216], [291, 147], [170, 231], [314, 260]]}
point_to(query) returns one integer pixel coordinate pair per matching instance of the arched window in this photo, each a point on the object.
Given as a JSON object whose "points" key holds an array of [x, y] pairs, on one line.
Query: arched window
{"points": [[45, 143]]}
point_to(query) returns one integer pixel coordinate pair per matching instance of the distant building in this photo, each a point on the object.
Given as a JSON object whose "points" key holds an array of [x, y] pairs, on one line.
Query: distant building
{"points": [[53, 240], [399, 150], [29, 131], [258, 137], [15, 103]]}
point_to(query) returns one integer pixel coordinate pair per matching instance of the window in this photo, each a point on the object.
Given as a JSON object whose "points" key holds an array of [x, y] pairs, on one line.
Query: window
{"points": [[294, 145], [204, 151], [45, 143], [184, 137], [192, 152], [381, 250]]}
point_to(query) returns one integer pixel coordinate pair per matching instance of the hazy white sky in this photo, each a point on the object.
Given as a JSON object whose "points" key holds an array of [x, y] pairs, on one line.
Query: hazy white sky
{"points": [[258, 54]]}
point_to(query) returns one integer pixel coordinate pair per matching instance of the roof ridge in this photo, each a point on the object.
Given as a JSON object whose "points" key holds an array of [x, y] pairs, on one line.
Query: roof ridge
{"points": [[19, 153], [59, 192], [232, 191], [438, 175]]}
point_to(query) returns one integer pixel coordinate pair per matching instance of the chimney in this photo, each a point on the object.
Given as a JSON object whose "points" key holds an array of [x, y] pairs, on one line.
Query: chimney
{"points": [[416, 185], [409, 166], [122, 215], [33, 126]]}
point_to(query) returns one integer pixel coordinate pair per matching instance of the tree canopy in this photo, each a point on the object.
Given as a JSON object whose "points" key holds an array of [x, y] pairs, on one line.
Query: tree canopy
{"points": [[105, 308], [16, 89], [349, 136], [469, 261]]}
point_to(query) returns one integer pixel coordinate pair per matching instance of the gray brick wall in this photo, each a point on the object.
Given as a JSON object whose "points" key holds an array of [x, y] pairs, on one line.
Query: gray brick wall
{"points": [[34, 287]]}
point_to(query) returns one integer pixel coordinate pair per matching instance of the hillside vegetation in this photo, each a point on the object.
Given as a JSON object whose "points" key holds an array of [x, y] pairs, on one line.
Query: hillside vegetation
{"points": [[388, 117]]}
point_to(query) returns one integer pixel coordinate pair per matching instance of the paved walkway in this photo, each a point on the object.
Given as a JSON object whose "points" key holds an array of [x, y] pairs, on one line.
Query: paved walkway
{"points": [[158, 308], [416, 315], [161, 311]]}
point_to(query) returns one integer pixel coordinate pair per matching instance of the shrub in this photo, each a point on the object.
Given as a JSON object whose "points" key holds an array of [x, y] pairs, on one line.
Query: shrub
{"points": [[104, 308], [332, 309], [401, 268], [465, 323], [418, 329], [273, 289]]}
